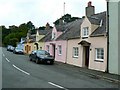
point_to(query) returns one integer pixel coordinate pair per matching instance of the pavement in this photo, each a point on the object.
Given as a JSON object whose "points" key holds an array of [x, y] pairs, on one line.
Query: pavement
{"points": [[93, 73]]}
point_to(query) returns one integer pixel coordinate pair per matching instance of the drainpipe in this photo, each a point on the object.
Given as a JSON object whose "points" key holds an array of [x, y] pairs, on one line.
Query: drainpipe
{"points": [[107, 70], [66, 51]]}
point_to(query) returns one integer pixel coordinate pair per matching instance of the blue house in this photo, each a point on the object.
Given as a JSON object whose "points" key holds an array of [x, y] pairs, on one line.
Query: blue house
{"points": [[21, 43]]}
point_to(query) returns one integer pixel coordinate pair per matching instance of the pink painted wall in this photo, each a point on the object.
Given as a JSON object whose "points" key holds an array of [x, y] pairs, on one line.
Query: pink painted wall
{"points": [[56, 32], [62, 57], [59, 58], [63, 43], [50, 47]]}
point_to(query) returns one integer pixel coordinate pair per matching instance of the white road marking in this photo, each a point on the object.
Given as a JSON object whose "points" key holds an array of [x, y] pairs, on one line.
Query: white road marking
{"points": [[21, 70], [57, 85], [8, 60]]}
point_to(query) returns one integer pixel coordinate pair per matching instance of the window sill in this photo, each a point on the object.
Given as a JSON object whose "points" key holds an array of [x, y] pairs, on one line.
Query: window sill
{"points": [[75, 57], [84, 37], [59, 54], [99, 60]]}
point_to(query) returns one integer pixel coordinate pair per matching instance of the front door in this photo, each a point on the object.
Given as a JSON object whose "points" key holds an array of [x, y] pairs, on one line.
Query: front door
{"points": [[86, 48], [53, 50], [27, 48]]}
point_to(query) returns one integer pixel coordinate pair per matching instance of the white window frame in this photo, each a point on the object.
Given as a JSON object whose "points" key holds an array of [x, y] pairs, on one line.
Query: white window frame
{"points": [[85, 32], [75, 52], [48, 48], [59, 50], [99, 55]]}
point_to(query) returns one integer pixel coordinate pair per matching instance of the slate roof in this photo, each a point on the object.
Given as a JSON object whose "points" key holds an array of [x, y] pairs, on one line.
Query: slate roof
{"points": [[43, 32], [59, 28], [33, 36], [94, 20], [74, 27], [72, 30], [100, 30], [47, 37]]}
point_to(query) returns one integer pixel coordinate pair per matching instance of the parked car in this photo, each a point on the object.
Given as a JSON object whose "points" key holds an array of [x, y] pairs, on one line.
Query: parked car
{"points": [[18, 50], [10, 48], [41, 56]]}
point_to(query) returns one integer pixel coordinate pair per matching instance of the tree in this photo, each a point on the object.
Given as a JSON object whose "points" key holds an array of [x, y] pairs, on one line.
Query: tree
{"points": [[13, 29], [66, 18], [23, 28], [13, 41]]}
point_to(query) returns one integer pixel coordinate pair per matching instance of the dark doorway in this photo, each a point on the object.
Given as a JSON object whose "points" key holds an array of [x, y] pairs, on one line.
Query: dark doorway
{"points": [[27, 49], [36, 46], [53, 50], [86, 56]]}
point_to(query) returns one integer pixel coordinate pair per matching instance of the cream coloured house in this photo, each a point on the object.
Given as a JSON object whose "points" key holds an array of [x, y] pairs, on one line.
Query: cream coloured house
{"points": [[90, 49]]}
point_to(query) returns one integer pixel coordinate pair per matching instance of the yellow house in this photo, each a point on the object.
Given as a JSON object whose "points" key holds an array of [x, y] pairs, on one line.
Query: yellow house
{"points": [[32, 43], [42, 41], [29, 43]]}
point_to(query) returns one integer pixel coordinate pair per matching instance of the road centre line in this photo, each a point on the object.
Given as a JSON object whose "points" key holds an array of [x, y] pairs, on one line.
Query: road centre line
{"points": [[8, 60], [20, 70], [57, 85]]}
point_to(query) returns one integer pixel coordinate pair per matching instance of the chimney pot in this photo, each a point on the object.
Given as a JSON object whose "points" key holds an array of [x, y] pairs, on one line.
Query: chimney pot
{"points": [[89, 4]]}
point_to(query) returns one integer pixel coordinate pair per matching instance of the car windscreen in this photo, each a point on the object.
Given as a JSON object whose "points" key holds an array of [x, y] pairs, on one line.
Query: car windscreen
{"points": [[43, 53], [18, 48]]}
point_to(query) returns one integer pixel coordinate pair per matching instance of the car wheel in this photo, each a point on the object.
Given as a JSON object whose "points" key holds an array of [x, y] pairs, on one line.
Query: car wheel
{"points": [[30, 59], [37, 61]]}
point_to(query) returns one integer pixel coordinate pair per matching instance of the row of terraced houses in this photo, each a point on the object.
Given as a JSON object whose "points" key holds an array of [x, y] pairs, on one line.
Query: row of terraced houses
{"points": [[82, 42]]}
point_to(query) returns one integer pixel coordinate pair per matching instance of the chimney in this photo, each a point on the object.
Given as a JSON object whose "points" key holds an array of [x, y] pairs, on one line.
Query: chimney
{"points": [[28, 34], [90, 10], [47, 26]]}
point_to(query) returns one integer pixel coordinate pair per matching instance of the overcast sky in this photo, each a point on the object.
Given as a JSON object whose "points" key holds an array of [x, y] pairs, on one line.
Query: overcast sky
{"points": [[16, 12]]}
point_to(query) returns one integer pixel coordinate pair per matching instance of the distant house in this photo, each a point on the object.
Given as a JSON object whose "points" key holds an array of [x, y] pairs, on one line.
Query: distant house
{"points": [[29, 43], [32, 41], [21, 43], [46, 38], [51, 45]]}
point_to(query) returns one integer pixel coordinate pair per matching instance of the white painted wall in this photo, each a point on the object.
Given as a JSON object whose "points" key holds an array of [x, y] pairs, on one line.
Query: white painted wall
{"points": [[113, 36]]}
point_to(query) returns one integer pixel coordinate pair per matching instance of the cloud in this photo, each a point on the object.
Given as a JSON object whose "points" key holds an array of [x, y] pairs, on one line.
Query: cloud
{"points": [[16, 12]]}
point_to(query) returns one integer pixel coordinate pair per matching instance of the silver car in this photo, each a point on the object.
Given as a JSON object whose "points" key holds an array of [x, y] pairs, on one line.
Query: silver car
{"points": [[10, 48], [18, 50]]}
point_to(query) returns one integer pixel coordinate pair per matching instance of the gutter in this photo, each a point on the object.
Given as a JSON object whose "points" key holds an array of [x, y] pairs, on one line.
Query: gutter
{"points": [[107, 68]]}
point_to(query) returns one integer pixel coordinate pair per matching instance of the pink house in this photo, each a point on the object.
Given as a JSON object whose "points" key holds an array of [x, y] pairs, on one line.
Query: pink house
{"points": [[56, 48], [56, 43]]}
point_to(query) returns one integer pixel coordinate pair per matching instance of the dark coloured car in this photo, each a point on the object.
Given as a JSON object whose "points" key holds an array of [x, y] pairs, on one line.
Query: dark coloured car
{"points": [[41, 56], [18, 50], [10, 48]]}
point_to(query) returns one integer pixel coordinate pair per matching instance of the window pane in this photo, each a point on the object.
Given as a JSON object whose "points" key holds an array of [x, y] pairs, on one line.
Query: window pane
{"points": [[75, 51], [99, 53]]}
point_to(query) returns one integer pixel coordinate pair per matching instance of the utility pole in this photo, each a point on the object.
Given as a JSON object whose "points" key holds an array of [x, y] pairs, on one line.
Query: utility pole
{"points": [[64, 8]]}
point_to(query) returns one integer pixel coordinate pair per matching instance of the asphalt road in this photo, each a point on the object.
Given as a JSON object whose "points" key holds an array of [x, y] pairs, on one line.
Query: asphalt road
{"points": [[19, 72]]}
